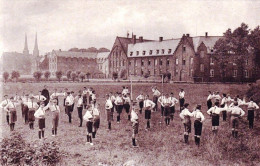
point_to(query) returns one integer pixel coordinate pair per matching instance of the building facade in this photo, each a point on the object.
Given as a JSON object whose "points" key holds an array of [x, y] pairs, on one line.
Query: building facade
{"points": [[102, 62]]}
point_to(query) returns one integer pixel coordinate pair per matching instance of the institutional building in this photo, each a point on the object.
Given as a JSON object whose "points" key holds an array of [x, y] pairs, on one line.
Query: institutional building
{"points": [[102, 62], [187, 59]]}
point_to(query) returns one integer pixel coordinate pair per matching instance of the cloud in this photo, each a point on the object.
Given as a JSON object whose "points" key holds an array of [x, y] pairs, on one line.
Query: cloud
{"points": [[66, 24]]}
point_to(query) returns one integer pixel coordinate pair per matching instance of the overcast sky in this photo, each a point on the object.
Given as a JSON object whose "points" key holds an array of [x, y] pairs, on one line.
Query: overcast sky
{"points": [[63, 24]]}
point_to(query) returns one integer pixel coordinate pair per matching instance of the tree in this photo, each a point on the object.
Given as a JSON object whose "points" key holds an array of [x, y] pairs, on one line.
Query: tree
{"points": [[254, 40], [47, 75], [5, 76], [78, 73], [73, 76], [15, 75], [88, 75], [103, 50], [74, 49], [68, 74], [37, 75], [123, 74], [82, 76], [59, 75], [114, 75]]}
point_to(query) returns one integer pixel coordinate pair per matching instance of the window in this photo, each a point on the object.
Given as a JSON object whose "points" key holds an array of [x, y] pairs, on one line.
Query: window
{"points": [[149, 72], [168, 62], [135, 62], [191, 72], [211, 61], [235, 73], [184, 48], [137, 52], [162, 51], [161, 62], [169, 51], [143, 52], [176, 72], [160, 72], [157, 51], [246, 61], [211, 72], [151, 52], [177, 61], [234, 62], [129, 63], [202, 53], [135, 71], [142, 62], [155, 71], [123, 63], [246, 74], [155, 62], [131, 53], [142, 72], [191, 61], [202, 67], [183, 62], [149, 62], [211, 50]]}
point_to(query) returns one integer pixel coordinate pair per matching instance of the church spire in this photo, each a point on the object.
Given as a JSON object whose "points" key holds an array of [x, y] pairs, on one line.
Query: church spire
{"points": [[25, 50]]}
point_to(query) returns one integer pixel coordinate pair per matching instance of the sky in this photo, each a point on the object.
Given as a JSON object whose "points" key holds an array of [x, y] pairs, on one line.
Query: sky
{"points": [[64, 24]]}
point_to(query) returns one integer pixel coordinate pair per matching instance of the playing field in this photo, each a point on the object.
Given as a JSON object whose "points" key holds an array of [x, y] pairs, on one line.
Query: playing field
{"points": [[159, 146]]}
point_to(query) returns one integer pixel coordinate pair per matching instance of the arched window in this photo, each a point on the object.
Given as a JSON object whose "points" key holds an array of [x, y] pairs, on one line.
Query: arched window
{"points": [[211, 72]]}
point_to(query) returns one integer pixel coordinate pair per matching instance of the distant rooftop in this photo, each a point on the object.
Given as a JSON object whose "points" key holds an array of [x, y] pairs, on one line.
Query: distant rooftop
{"points": [[71, 54]]}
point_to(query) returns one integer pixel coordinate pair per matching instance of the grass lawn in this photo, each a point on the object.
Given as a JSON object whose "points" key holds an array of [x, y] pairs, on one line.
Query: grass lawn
{"points": [[159, 146]]}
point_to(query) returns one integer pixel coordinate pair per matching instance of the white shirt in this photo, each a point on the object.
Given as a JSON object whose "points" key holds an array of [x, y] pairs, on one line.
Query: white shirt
{"points": [[185, 112], [134, 117], [140, 98], [167, 102], [55, 95], [69, 100], [217, 97], [88, 116], [160, 99], [112, 98], [39, 113], [149, 104], [210, 97], [125, 91], [79, 102], [32, 104], [93, 96], [174, 101], [4, 103], [197, 114], [10, 105], [236, 111], [252, 105], [216, 110], [127, 100], [40, 97], [181, 94], [119, 100], [224, 101], [52, 107], [156, 92], [108, 104], [96, 112]]}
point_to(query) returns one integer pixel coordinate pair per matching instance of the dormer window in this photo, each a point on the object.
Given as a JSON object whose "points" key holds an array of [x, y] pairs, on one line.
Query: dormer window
{"points": [[157, 51], [162, 51], [143, 52], [131, 53], [169, 51], [151, 52], [137, 52]]}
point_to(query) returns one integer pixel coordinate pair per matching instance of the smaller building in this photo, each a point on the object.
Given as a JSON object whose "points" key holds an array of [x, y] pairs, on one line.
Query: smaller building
{"points": [[102, 61]]}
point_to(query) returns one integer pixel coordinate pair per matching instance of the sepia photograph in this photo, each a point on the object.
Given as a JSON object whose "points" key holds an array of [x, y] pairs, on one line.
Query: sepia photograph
{"points": [[129, 83]]}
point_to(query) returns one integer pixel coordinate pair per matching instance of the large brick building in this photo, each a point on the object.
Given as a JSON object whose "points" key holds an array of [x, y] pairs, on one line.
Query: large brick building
{"points": [[189, 59]]}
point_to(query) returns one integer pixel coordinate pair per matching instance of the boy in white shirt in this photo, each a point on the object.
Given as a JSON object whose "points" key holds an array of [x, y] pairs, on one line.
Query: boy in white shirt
{"points": [[109, 113], [148, 106], [40, 115], [156, 94], [185, 116], [252, 106], [172, 106], [3, 104], [140, 99], [160, 100], [119, 106], [96, 119], [80, 105], [209, 99], [39, 97], [181, 99], [135, 124], [199, 118], [11, 108], [126, 104], [88, 117], [32, 106]]}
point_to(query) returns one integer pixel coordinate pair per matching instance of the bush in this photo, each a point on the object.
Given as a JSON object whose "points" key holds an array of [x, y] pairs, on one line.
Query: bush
{"points": [[82, 76], [37, 75], [114, 75], [123, 74], [68, 74], [47, 75], [59, 75], [73, 76], [254, 92], [15, 151], [5, 76], [15, 75], [146, 75]]}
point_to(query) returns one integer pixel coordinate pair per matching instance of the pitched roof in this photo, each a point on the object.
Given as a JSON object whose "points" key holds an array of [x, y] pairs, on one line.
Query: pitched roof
{"points": [[71, 54], [102, 55], [150, 48], [209, 41]]}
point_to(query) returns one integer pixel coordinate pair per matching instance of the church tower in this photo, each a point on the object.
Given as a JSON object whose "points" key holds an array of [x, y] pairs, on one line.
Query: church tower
{"points": [[25, 50], [35, 56]]}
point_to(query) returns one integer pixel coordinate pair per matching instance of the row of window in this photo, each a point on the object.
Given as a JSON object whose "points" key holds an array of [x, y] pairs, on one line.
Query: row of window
{"points": [[161, 62], [246, 73]]}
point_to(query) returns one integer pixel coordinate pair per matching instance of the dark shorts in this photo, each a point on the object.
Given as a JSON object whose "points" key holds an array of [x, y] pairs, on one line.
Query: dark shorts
{"points": [[41, 123], [251, 115], [197, 127], [109, 115], [119, 108], [147, 114], [126, 107], [96, 123], [141, 104], [209, 104], [155, 99], [215, 120], [182, 102], [13, 117], [187, 125], [89, 126], [135, 128], [80, 112], [235, 122], [166, 111], [172, 110], [31, 117]]}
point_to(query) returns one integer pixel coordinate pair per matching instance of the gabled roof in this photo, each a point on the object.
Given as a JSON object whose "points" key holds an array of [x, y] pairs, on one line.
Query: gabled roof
{"points": [[153, 46], [209, 41], [71, 54]]}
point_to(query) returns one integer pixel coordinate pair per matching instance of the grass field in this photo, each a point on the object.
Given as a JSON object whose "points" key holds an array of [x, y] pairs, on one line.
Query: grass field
{"points": [[159, 146]]}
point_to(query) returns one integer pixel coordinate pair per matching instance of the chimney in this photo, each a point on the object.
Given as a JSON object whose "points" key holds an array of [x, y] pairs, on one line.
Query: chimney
{"points": [[134, 41], [206, 34], [188, 35], [160, 39], [141, 39]]}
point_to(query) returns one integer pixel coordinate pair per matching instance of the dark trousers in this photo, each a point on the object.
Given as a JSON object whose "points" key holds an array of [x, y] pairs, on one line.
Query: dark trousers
{"points": [[68, 112], [155, 100], [224, 113], [250, 118], [209, 104], [181, 103], [80, 115]]}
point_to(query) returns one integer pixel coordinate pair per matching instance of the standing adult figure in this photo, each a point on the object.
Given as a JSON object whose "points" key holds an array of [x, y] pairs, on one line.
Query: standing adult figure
{"points": [[46, 94]]}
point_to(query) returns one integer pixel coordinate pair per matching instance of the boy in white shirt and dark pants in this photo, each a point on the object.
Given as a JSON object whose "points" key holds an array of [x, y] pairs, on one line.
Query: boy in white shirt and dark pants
{"points": [[199, 118], [135, 124], [88, 117], [148, 106]]}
